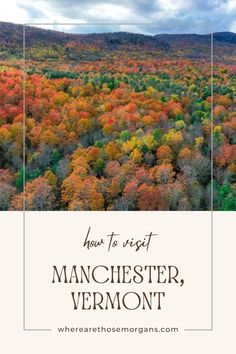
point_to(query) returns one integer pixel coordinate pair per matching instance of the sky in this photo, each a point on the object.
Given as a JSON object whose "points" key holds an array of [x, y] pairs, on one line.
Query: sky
{"points": [[141, 16]]}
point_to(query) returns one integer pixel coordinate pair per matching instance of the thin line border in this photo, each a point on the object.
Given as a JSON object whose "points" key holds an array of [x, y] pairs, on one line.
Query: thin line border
{"points": [[24, 162]]}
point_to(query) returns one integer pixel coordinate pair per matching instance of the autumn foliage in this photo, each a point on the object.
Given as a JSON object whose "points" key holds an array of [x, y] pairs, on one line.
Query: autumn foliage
{"points": [[117, 133]]}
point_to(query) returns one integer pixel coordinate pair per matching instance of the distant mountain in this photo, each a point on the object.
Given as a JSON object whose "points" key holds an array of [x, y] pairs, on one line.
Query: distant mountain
{"points": [[10, 32], [197, 46], [185, 38], [77, 46], [226, 37], [116, 40]]}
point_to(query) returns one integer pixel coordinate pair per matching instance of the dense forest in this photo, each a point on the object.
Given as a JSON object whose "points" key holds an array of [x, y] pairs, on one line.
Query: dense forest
{"points": [[117, 121]]}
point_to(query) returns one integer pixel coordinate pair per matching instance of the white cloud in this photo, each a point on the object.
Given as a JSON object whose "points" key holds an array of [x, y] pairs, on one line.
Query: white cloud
{"points": [[199, 16], [172, 6], [230, 6], [232, 26], [110, 11], [10, 12]]}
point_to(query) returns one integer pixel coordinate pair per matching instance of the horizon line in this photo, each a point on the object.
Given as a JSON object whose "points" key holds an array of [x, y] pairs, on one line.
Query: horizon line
{"points": [[36, 24]]}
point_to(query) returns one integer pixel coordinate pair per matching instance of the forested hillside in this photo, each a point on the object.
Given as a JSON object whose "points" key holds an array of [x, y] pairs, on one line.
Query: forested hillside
{"points": [[117, 121]]}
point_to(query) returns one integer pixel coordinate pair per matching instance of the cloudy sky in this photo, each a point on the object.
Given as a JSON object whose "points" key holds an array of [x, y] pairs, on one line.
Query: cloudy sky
{"points": [[146, 16]]}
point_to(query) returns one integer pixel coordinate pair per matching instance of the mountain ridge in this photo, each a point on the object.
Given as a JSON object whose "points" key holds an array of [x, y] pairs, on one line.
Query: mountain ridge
{"points": [[192, 45], [224, 36]]}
